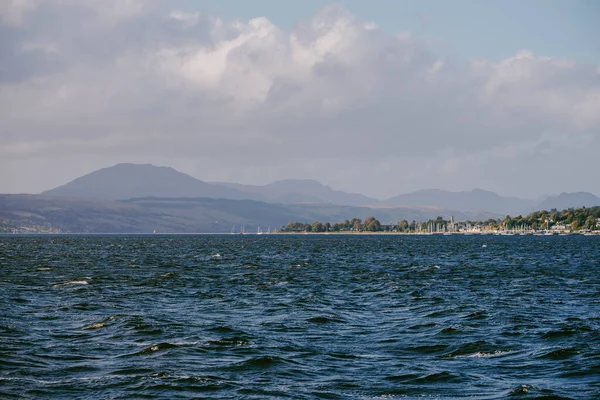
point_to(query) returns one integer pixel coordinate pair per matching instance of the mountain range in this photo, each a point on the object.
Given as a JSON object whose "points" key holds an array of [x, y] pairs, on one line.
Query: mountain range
{"points": [[128, 181], [302, 191], [477, 199], [132, 198], [568, 200]]}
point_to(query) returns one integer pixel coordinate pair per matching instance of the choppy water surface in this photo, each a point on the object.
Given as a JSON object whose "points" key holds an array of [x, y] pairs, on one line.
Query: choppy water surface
{"points": [[302, 317]]}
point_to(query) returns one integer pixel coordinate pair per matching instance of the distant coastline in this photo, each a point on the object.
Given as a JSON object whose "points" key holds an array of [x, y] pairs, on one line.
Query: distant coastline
{"points": [[277, 233], [571, 221], [490, 233], [39, 214]]}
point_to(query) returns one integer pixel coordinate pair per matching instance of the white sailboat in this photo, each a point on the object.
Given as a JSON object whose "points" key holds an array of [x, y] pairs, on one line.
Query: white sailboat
{"points": [[259, 231]]}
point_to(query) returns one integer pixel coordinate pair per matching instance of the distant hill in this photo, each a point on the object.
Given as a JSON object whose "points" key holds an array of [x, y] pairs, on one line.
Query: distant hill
{"points": [[569, 200], [37, 213], [126, 181], [477, 199], [302, 191]]}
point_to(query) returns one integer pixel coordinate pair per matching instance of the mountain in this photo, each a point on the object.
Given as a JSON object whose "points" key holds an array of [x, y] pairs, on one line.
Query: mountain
{"points": [[302, 191], [43, 213], [126, 181], [569, 200], [476, 199]]}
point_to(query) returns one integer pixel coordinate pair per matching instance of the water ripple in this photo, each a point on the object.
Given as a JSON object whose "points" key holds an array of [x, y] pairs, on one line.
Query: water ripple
{"points": [[300, 317]]}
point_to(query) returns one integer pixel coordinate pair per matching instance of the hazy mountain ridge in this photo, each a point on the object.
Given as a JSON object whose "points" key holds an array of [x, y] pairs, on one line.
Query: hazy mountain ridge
{"points": [[126, 181], [477, 199], [303, 190], [569, 200]]}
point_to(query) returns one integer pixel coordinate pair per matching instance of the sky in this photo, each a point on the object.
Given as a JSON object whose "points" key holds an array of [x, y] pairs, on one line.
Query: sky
{"points": [[379, 98]]}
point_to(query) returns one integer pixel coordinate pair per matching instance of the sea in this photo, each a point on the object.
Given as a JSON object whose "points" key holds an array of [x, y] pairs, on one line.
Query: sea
{"points": [[299, 317]]}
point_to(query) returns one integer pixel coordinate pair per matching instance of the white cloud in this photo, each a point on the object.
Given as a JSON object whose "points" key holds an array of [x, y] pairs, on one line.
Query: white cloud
{"points": [[335, 98]]}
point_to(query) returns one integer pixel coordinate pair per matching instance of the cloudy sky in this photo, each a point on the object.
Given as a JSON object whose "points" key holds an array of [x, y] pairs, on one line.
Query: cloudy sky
{"points": [[380, 98]]}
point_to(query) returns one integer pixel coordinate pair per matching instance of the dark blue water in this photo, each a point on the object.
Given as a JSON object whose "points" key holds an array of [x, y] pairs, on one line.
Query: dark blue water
{"points": [[283, 316]]}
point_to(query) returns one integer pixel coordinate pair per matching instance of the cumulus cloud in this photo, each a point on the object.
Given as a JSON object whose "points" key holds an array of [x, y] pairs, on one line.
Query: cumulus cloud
{"points": [[334, 99]]}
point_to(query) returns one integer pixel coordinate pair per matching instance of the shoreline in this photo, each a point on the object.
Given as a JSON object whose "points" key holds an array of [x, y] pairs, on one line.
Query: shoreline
{"points": [[150, 234], [596, 233]]}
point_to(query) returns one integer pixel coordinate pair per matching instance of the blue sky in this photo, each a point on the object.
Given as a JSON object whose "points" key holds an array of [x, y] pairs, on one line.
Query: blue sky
{"points": [[468, 28]]}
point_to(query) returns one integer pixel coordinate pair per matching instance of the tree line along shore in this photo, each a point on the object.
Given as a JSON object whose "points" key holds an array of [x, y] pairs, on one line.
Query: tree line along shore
{"points": [[573, 220]]}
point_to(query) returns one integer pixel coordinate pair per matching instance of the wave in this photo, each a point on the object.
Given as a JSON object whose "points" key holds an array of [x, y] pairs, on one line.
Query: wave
{"points": [[325, 319], [566, 332], [156, 347], [428, 349], [436, 377], [560, 354], [70, 283], [99, 324], [496, 353], [261, 362], [476, 349], [535, 392], [235, 341]]}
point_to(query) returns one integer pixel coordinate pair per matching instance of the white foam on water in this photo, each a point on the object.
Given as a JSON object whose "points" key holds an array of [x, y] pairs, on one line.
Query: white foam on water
{"points": [[481, 354], [184, 343], [71, 283]]}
